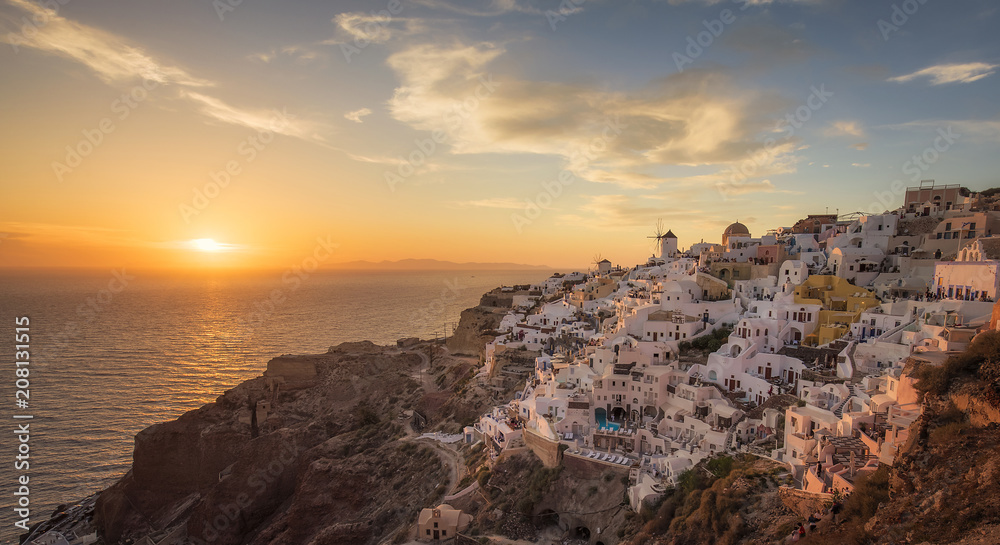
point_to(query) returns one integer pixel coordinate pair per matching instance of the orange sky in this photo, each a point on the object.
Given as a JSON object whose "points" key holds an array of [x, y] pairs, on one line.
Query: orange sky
{"points": [[474, 132]]}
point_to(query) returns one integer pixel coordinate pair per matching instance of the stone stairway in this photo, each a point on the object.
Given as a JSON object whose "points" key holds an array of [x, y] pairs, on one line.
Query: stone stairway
{"points": [[839, 410], [732, 431]]}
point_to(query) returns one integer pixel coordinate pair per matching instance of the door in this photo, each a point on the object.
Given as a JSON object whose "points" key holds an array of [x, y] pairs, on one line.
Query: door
{"points": [[437, 534], [767, 372]]}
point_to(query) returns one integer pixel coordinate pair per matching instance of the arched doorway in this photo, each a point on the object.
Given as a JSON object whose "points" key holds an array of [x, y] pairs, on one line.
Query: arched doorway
{"points": [[548, 517], [582, 532]]}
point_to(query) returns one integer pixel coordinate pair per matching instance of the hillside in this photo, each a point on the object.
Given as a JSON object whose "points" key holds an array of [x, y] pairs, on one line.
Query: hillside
{"points": [[942, 488]]}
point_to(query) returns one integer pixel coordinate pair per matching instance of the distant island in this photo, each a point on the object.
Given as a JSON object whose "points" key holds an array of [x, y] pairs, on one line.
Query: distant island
{"points": [[435, 265]]}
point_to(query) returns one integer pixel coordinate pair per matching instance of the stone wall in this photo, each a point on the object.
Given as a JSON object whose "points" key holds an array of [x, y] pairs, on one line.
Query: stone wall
{"points": [[583, 467], [803, 503], [546, 450]]}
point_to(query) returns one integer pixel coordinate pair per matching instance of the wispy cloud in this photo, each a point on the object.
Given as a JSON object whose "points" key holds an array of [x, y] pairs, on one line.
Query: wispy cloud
{"points": [[950, 73], [848, 128], [762, 186], [300, 54], [119, 63], [113, 60], [625, 211], [981, 129], [495, 202], [256, 119], [355, 27], [861, 165], [480, 8], [356, 115]]}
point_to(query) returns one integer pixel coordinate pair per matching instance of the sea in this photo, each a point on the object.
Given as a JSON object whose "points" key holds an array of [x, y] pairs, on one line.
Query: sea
{"points": [[114, 351]]}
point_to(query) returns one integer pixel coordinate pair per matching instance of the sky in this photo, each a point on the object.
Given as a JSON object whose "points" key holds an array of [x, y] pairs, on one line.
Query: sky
{"points": [[253, 134]]}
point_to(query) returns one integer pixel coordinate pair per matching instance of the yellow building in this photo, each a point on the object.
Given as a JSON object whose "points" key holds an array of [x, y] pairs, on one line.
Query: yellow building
{"points": [[842, 304]]}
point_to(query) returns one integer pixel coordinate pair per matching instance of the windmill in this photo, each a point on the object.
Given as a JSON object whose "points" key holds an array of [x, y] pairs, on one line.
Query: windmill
{"points": [[597, 261], [666, 242]]}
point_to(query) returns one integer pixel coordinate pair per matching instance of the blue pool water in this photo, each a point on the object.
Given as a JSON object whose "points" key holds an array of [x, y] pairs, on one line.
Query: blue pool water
{"points": [[603, 423]]}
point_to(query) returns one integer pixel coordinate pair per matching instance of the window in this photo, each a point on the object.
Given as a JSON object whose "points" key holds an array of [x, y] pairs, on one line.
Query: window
{"points": [[947, 226], [435, 525]]}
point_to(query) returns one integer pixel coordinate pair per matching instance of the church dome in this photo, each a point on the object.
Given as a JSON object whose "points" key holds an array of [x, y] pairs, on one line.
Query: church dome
{"points": [[735, 230]]}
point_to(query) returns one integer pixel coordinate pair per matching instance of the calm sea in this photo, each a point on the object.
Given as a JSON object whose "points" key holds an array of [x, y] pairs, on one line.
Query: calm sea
{"points": [[113, 354]]}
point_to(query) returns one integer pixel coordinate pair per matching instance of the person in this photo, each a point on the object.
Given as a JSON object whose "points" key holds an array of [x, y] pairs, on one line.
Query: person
{"points": [[835, 508], [802, 531]]}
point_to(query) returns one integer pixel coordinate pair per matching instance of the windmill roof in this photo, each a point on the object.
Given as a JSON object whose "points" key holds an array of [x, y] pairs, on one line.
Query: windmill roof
{"points": [[670, 234]]}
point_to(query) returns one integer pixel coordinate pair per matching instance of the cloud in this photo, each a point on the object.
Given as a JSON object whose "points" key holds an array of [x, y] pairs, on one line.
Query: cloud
{"points": [[364, 28], [119, 63], [495, 202], [981, 129], [861, 165], [860, 146], [300, 54], [685, 119], [768, 42], [762, 186], [625, 211], [258, 120], [848, 128], [356, 115], [480, 8], [950, 73], [111, 58]]}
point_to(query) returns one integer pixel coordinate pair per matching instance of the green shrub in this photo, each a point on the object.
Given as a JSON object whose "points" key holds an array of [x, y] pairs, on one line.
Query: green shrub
{"points": [[720, 467], [713, 341], [869, 491]]}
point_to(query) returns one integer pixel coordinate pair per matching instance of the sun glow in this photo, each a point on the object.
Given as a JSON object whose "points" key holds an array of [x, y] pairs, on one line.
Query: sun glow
{"points": [[207, 245]]}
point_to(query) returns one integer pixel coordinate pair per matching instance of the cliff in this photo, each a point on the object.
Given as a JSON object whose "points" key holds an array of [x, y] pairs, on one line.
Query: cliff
{"points": [[476, 327], [325, 456]]}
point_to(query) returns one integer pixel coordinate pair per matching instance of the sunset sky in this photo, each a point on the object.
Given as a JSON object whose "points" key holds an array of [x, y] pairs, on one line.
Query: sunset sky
{"points": [[538, 132]]}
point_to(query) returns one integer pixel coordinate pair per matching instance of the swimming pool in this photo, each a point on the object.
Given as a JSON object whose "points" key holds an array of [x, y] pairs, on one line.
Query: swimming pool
{"points": [[602, 421]]}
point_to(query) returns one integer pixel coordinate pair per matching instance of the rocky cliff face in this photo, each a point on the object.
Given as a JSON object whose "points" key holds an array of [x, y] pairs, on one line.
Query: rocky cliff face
{"points": [[331, 460], [475, 328]]}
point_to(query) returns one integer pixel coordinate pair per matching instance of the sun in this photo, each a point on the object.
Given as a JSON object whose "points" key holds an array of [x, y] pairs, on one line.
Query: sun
{"points": [[207, 245]]}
